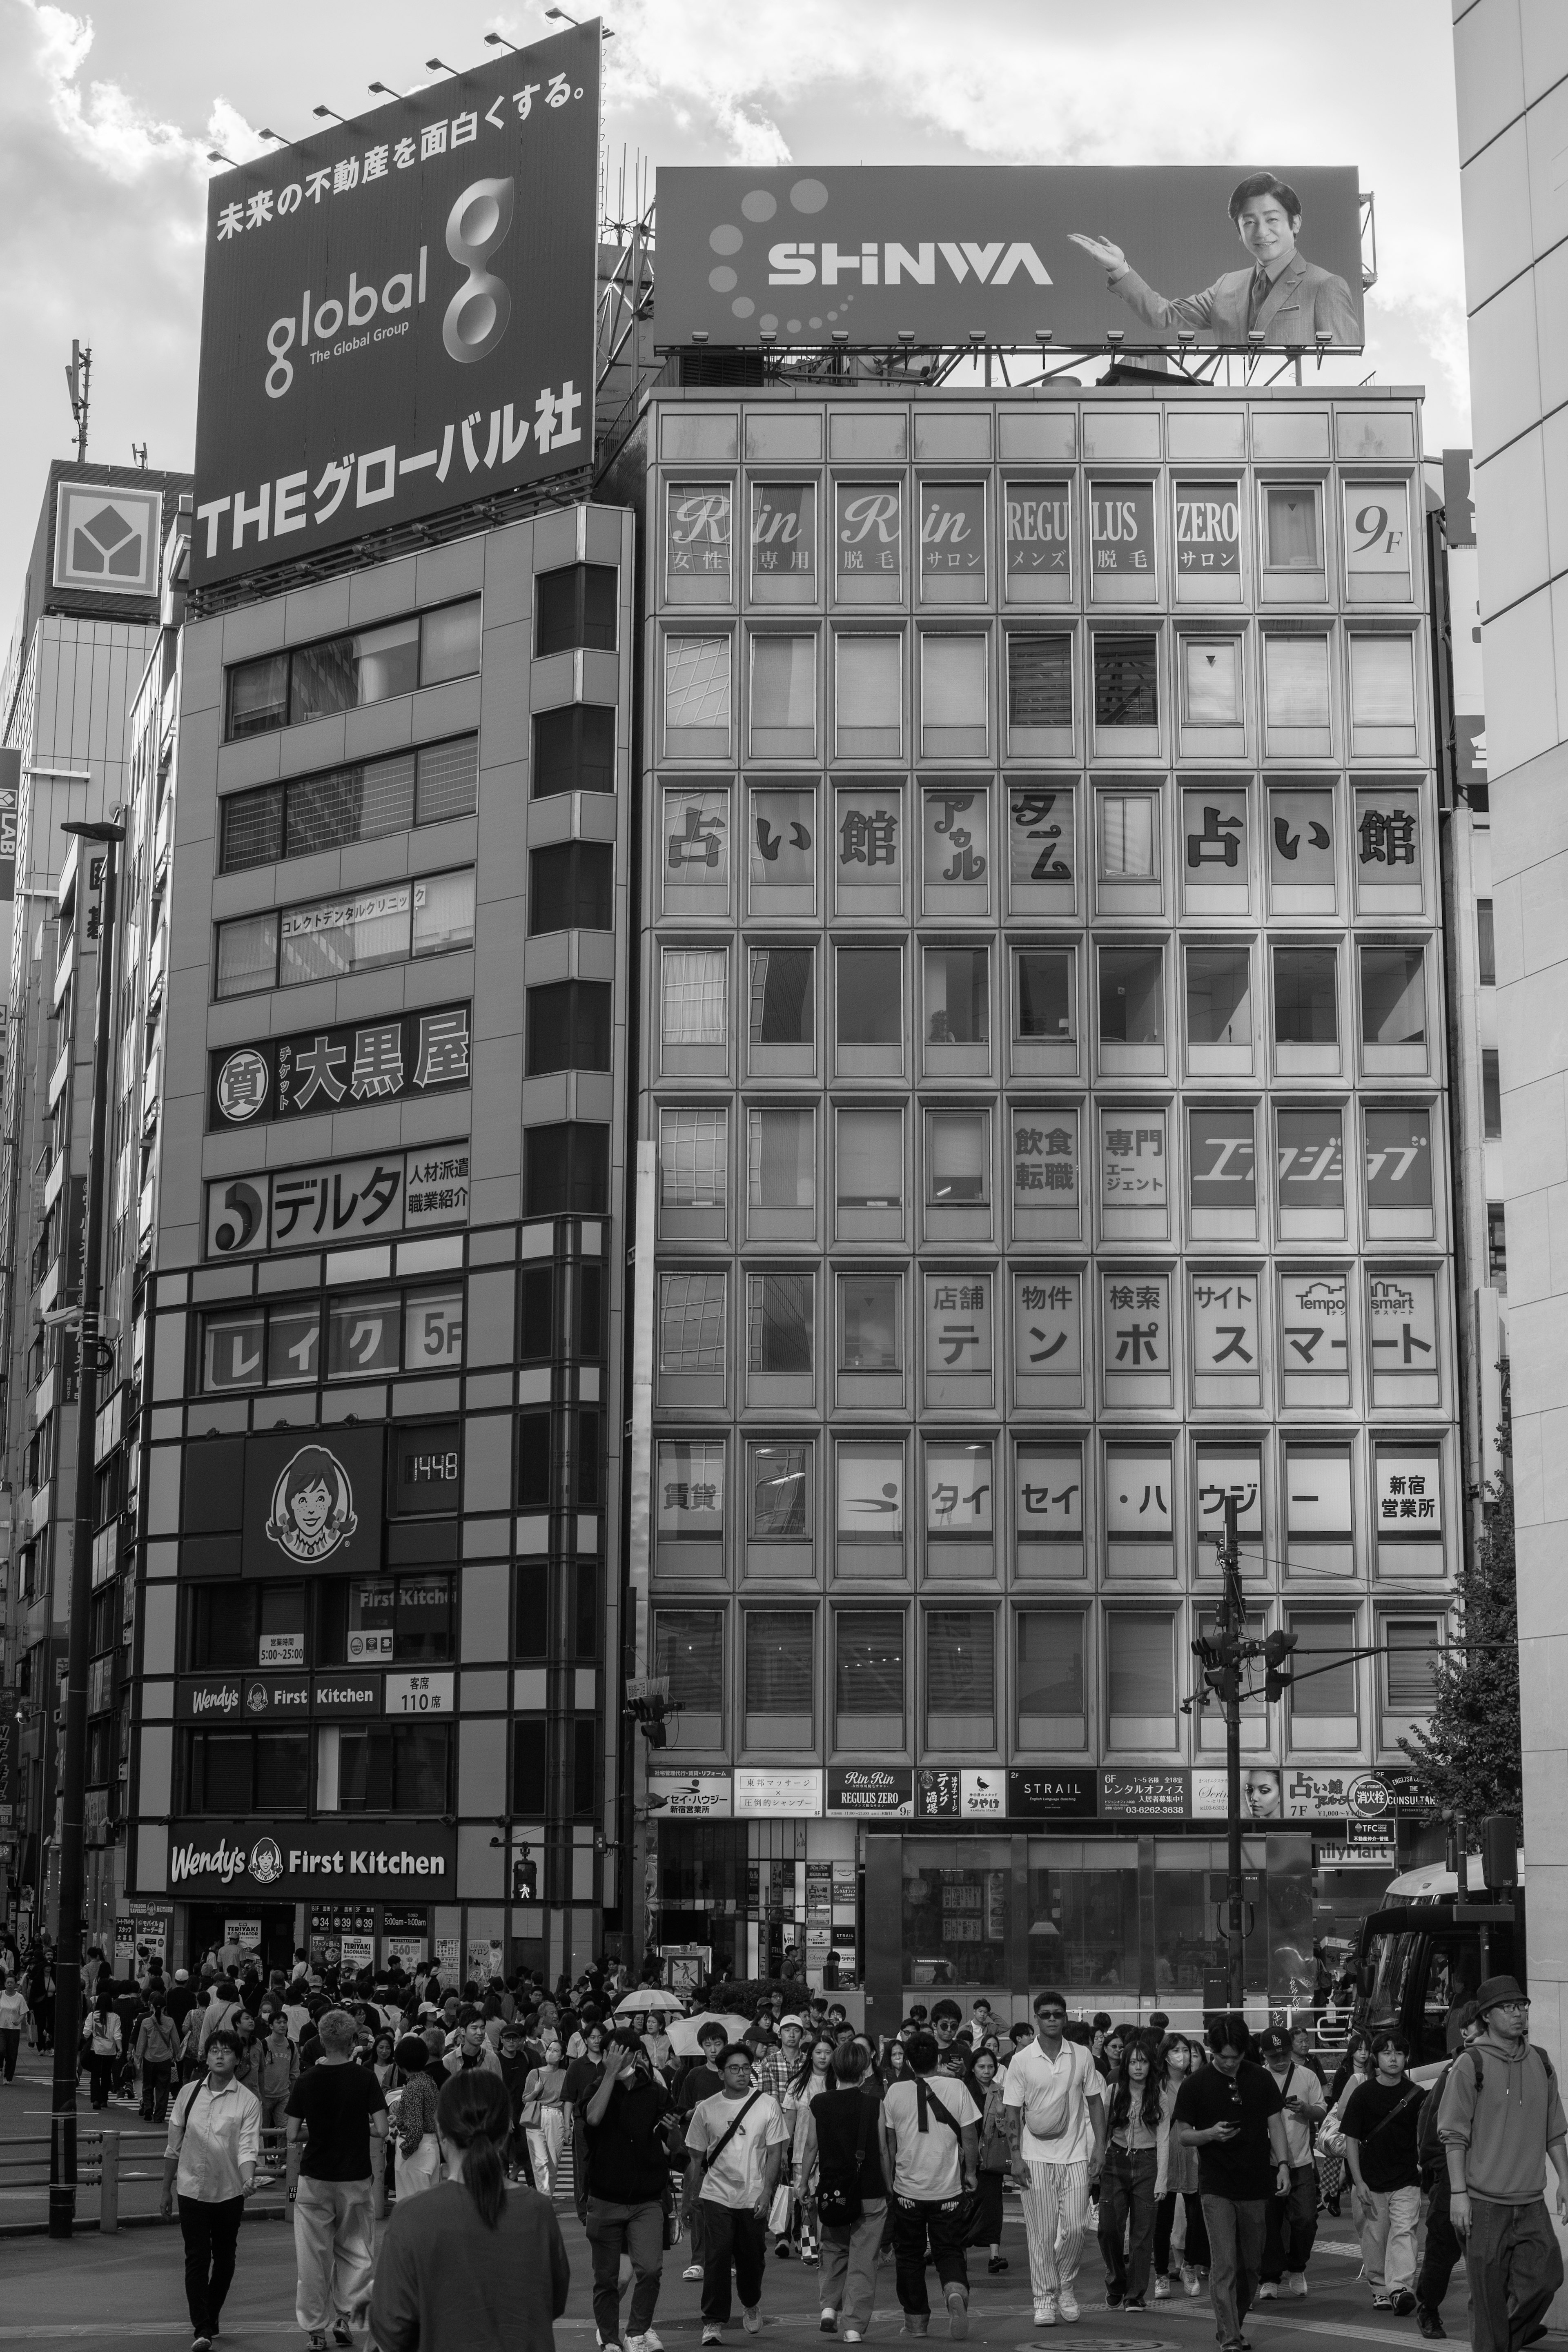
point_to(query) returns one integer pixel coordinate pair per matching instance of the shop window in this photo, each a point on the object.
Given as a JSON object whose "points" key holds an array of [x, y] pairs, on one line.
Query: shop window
{"points": [[1083, 1920], [1140, 1678], [1052, 1701], [957, 1008], [568, 1026], [781, 997], [783, 697], [689, 1647], [1222, 1172], [363, 1336], [871, 996], [575, 606], [1407, 1499], [1135, 1323], [388, 1620], [691, 1323], [869, 1678], [1140, 1485], [960, 1678], [1388, 851], [1121, 542], [960, 1494], [566, 1169], [1037, 530], [955, 850], [954, 686], [1377, 541], [693, 1000], [780, 1680], [1402, 1338], [780, 1314], [868, 851], [575, 748], [868, 688], [870, 1322], [958, 1158], [1222, 1469], [571, 887], [1323, 1702], [1301, 869]]}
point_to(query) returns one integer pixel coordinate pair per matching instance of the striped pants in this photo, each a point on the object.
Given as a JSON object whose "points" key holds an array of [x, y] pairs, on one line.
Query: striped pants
{"points": [[1055, 2214]]}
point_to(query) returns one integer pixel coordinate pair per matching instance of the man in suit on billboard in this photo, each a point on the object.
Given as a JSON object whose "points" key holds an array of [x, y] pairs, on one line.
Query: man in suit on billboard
{"points": [[1280, 293]]}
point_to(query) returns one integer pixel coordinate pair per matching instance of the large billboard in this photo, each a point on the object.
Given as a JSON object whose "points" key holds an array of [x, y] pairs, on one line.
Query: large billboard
{"points": [[398, 313], [876, 253]]}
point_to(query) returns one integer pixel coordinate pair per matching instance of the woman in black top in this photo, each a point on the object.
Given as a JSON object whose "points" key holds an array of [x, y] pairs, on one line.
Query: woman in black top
{"points": [[984, 2083], [838, 2149]]}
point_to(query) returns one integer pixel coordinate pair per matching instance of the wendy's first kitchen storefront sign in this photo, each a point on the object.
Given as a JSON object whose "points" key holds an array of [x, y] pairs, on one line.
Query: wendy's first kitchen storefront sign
{"points": [[300, 1858]]}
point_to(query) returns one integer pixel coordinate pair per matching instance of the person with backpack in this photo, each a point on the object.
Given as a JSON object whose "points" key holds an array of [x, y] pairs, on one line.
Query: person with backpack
{"points": [[156, 2050], [1501, 2123], [839, 2167], [931, 2155], [1443, 2251], [210, 2163], [1380, 2147], [1290, 2223], [735, 2145]]}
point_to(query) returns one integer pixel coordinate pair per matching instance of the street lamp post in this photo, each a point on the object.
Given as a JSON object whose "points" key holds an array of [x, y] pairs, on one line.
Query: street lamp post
{"points": [[73, 1790]]}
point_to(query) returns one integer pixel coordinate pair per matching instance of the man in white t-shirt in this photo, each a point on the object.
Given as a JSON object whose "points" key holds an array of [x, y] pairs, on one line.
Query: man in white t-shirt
{"points": [[1053, 2102], [735, 2143], [930, 2160]]}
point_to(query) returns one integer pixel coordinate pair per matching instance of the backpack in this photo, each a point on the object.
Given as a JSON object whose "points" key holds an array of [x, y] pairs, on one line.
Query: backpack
{"points": [[838, 2200]]}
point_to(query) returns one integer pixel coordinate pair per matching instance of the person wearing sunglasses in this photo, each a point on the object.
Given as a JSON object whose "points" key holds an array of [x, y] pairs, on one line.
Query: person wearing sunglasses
{"points": [[1501, 2123]]}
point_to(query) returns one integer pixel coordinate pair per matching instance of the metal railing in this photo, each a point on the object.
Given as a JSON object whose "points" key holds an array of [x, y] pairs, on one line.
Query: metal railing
{"points": [[123, 2166]]}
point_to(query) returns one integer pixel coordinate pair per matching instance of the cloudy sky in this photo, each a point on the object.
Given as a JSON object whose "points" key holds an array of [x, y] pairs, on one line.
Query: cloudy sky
{"points": [[106, 118]]}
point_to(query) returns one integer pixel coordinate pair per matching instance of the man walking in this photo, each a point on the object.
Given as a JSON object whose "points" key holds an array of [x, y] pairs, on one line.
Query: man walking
{"points": [[1380, 2124], [1290, 2223], [629, 2174], [735, 2143], [703, 2079], [1442, 2252], [1053, 2104], [1501, 2123], [930, 2156], [1232, 2111], [337, 2118]]}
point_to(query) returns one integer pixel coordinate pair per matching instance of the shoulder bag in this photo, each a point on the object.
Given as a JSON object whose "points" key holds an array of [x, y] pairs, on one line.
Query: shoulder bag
{"points": [[838, 2202]]}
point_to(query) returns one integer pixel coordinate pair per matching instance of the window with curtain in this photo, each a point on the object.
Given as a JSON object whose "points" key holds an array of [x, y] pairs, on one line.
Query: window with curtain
{"points": [[869, 672], [957, 1008], [784, 683], [1126, 681], [1219, 997], [779, 1484], [871, 996], [1293, 539], [1044, 992], [1383, 682], [779, 1322], [961, 1662], [692, 1159], [1393, 996], [1296, 680], [691, 1323], [869, 1662], [1039, 681], [693, 1010], [697, 682], [780, 1166], [1051, 1662], [870, 1159], [1410, 1653], [1322, 1664], [779, 1679], [1306, 1010], [870, 1323], [781, 1006], [1129, 836], [958, 1156], [1140, 1673], [1211, 681], [953, 681]]}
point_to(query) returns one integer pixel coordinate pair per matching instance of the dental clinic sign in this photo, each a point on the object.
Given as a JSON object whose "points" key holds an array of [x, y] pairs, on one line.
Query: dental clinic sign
{"points": [[372, 1856], [872, 254], [398, 313]]}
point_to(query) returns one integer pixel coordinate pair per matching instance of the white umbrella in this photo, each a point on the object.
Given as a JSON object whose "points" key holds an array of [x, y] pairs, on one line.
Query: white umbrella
{"points": [[648, 1997], [683, 2033]]}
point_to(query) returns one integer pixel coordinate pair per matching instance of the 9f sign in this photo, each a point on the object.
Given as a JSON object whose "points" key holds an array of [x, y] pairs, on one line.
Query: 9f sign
{"points": [[477, 317]]}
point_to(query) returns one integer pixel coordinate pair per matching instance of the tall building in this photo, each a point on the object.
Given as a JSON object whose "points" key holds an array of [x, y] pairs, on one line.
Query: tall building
{"points": [[1043, 1135], [1509, 60], [87, 622]]}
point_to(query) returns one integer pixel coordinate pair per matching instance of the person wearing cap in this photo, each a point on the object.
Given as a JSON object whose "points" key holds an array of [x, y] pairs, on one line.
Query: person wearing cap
{"points": [[1501, 2123], [1290, 2223]]}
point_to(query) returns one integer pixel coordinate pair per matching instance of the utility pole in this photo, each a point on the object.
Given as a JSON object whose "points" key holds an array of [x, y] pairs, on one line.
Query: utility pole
{"points": [[1233, 1628], [78, 380], [73, 1789]]}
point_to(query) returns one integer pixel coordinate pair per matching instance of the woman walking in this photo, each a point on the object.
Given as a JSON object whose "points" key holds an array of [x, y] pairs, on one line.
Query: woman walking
{"points": [[214, 2147], [841, 2158], [985, 2087], [101, 2042], [1127, 2180], [473, 2266], [14, 2016], [545, 2114], [417, 2162], [1177, 2178], [812, 2077]]}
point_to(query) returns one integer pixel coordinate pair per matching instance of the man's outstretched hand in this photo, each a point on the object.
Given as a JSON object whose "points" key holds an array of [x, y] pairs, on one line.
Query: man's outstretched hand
{"points": [[1100, 248]]}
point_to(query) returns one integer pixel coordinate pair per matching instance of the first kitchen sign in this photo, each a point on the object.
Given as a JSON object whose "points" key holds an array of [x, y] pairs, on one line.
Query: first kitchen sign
{"points": [[294, 1860], [398, 316]]}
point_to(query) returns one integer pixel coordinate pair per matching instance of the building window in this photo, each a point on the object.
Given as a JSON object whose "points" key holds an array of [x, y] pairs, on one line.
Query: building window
{"points": [[1486, 944], [1409, 1657], [1292, 530], [1318, 1506], [1126, 681], [781, 997], [960, 1677], [363, 802], [1393, 996], [869, 1678], [1051, 1684], [566, 1169], [1306, 1009], [571, 887], [1211, 681], [575, 606], [285, 689], [1382, 690], [870, 1323], [240, 1772], [780, 1677], [1039, 681], [331, 938], [783, 695], [1325, 1689], [960, 1490], [781, 1159], [871, 996], [691, 1323], [568, 1026], [1491, 1091], [697, 691], [779, 1323], [689, 1647], [779, 1487], [693, 1156], [232, 1626], [868, 687], [957, 1003], [405, 1769], [958, 1157], [1140, 1678], [1497, 1248], [871, 1493], [574, 750], [1131, 996], [954, 680], [688, 1493], [530, 1757], [1219, 996], [1045, 993], [693, 1010], [870, 1158], [1129, 836], [1296, 681]]}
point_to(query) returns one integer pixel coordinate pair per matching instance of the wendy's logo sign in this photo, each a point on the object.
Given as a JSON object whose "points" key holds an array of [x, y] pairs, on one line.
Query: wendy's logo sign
{"points": [[312, 1510]]}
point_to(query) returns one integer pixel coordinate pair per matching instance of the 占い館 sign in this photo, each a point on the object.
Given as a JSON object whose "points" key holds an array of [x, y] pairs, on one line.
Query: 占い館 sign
{"points": [[397, 314], [348, 1857]]}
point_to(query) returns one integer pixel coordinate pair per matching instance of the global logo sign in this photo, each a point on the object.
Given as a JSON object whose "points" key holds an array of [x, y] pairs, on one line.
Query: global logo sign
{"points": [[312, 1508], [107, 540]]}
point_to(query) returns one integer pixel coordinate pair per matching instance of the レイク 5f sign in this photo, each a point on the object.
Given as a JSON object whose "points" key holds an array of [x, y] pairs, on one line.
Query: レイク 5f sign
{"points": [[398, 313]]}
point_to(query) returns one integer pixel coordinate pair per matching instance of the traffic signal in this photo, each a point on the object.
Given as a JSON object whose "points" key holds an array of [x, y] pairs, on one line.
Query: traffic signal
{"points": [[1277, 1648], [654, 1730], [1220, 1655], [524, 1878]]}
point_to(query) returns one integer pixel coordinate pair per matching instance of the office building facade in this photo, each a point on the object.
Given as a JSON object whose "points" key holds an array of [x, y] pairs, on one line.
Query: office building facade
{"points": [[1042, 1135]]}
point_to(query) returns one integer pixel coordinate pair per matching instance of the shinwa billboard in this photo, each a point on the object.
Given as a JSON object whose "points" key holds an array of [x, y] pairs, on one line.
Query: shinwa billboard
{"points": [[1004, 252], [398, 314]]}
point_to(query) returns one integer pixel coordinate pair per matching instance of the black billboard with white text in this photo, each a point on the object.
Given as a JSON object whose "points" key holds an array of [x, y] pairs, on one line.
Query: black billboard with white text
{"points": [[942, 254], [398, 313]]}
